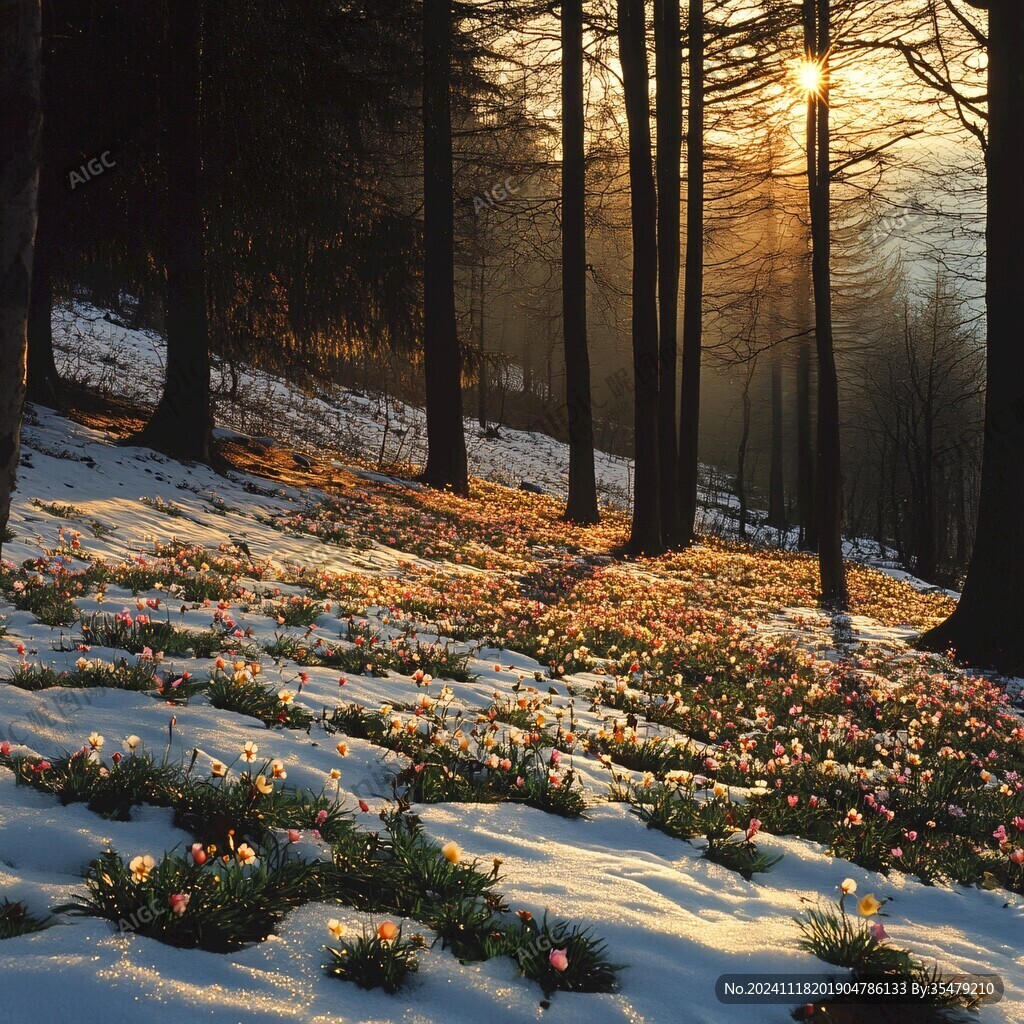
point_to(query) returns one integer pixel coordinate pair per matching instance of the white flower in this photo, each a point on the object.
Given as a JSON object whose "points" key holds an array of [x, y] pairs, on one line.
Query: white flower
{"points": [[131, 743], [249, 752], [140, 867], [96, 741]]}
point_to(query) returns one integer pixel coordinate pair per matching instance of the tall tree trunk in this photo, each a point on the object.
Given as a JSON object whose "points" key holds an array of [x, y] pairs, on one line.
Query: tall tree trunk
{"points": [[741, 457], [581, 506], [987, 627], [668, 48], [181, 423], [44, 386], [43, 381], [776, 478], [693, 281], [806, 503], [482, 371], [645, 536], [442, 360], [20, 128], [829, 478]]}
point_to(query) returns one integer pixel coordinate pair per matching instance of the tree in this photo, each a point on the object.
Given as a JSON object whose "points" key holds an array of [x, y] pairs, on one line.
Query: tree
{"points": [[669, 121], [828, 476], [442, 359], [20, 131], [645, 536], [693, 283], [581, 506], [181, 423], [987, 626]]}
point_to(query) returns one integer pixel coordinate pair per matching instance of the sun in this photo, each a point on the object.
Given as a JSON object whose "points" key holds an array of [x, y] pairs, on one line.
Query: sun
{"points": [[809, 77]]}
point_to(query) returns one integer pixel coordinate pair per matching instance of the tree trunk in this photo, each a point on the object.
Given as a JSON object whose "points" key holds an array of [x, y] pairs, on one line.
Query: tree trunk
{"points": [[669, 120], [741, 458], [581, 506], [645, 536], [43, 382], [180, 426], [693, 282], [44, 386], [442, 360], [482, 371], [829, 479], [20, 127], [776, 479], [806, 504], [987, 627]]}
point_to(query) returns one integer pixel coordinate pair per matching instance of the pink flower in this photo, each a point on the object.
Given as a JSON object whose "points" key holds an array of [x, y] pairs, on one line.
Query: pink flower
{"points": [[5, 748], [1000, 834], [558, 960], [179, 903], [897, 852], [912, 836], [753, 828], [1018, 824], [294, 835], [878, 932], [1017, 857], [556, 756], [321, 817], [793, 800]]}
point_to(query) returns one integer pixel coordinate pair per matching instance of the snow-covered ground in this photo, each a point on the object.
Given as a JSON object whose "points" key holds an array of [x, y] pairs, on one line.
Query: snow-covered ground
{"points": [[675, 920]]}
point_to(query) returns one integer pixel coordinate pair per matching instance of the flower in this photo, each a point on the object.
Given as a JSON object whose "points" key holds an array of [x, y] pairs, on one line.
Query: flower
{"points": [[294, 835], [140, 867], [249, 752], [1017, 856], [246, 854], [342, 749], [558, 960], [364, 806], [218, 769], [96, 741], [387, 931], [848, 886], [451, 852], [336, 928], [264, 785], [179, 903], [868, 905], [131, 743], [198, 853], [277, 768]]}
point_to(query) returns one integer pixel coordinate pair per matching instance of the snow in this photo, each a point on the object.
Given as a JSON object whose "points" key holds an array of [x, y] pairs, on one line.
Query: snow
{"points": [[676, 921]]}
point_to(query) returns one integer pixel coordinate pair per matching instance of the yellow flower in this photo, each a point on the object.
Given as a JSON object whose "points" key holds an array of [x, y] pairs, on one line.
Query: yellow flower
{"points": [[451, 852], [721, 791], [868, 906], [140, 867], [848, 887], [264, 785], [218, 769], [336, 928], [245, 854], [249, 751], [285, 696], [96, 741], [277, 767], [335, 774]]}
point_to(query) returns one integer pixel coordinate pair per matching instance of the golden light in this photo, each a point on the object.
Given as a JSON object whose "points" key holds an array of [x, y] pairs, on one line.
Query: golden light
{"points": [[809, 77]]}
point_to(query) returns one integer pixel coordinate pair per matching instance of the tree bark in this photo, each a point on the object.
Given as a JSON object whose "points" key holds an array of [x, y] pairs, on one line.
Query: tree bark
{"points": [[776, 479], [645, 536], [693, 281], [669, 120], [181, 424], [482, 369], [581, 506], [20, 129], [987, 627], [829, 479], [442, 359]]}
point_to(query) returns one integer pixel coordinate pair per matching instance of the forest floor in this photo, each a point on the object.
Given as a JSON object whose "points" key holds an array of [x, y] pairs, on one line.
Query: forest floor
{"points": [[271, 663]]}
